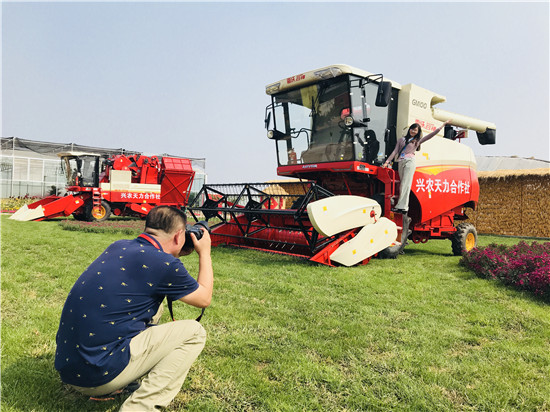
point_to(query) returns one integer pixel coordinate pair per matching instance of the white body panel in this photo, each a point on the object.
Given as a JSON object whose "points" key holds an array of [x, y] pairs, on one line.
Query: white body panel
{"points": [[444, 152], [26, 214], [369, 241], [338, 213], [121, 180]]}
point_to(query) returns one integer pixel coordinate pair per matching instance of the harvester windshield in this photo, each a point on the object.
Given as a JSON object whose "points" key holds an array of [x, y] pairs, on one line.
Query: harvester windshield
{"points": [[309, 123], [81, 170]]}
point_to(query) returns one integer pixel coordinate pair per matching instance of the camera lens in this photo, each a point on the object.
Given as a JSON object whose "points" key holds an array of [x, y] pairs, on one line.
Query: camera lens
{"points": [[196, 229]]}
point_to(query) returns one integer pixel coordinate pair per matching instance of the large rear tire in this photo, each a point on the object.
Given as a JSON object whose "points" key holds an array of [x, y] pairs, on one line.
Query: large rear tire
{"points": [[79, 216], [464, 239], [98, 214]]}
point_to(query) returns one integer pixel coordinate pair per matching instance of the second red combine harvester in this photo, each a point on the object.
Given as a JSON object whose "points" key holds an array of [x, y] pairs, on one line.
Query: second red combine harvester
{"points": [[333, 128], [121, 185]]}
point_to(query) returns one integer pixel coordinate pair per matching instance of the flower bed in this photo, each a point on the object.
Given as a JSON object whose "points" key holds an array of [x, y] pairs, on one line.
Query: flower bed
{"points": [[125, 226], [524, 266], [12, 204]]}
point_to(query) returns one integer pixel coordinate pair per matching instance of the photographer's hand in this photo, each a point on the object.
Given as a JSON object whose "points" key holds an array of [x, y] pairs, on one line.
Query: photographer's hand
{"points": [[203, 245]]}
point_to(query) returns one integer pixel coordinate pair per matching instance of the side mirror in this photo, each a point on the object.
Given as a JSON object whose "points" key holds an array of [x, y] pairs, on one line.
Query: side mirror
{"points": [[383, 96], [488, 137], [267, 120], [450, 133]]}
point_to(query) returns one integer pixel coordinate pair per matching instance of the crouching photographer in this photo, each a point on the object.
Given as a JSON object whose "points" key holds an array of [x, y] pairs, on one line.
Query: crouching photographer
{"points": [[108, 336]]}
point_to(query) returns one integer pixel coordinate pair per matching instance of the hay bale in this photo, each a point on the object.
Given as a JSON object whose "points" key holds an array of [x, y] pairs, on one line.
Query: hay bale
{"points": [[503, 173], [285, 194], [535, 207], [514, 203]]}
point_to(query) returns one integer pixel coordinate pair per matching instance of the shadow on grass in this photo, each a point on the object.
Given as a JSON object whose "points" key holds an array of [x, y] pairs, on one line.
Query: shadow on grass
{"points": [[513, 292], [425, 252], [265, 257], [33, 384]]}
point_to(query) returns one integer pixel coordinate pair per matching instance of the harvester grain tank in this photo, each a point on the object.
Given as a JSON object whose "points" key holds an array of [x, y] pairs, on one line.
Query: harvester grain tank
{"points": [[333, 128], [121, 185]]}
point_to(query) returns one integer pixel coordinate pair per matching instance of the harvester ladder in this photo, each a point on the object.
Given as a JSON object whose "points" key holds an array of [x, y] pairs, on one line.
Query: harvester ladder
{"points": [[96, 197]]}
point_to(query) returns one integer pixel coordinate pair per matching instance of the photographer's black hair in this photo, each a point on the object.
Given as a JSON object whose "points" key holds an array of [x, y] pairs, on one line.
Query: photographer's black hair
{"points": [[165, 218]]}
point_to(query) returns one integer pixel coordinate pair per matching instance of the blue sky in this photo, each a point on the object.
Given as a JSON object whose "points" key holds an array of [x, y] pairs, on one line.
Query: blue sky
{"points": [[189, 78]]}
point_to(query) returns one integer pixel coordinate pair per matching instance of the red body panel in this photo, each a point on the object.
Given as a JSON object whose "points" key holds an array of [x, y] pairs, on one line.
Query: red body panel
{"points": [[441, 189], [44, 201], [142, 209], [276, 234], [351, 166], [130, 197], [177, 181], [62, 206], [437, 189]]}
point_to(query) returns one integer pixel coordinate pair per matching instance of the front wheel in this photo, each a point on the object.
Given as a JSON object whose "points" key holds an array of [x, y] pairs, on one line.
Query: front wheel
{"points": [[99, 213], [464, 239]]}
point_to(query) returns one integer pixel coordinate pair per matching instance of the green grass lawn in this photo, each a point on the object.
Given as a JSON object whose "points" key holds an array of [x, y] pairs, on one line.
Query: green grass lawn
{"points": [[419, 333]]}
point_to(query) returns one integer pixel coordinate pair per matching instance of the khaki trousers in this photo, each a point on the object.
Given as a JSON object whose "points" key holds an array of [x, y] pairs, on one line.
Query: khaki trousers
{"points": [[407, 168], [163, 353]]}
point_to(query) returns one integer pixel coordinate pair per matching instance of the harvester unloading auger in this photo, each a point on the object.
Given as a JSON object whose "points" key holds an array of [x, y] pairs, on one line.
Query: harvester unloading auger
{"points": [[333, 129]]}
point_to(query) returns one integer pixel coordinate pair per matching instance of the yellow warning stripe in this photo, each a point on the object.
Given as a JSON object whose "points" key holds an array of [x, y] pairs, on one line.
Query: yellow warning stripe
{"points": [[435, 170]]}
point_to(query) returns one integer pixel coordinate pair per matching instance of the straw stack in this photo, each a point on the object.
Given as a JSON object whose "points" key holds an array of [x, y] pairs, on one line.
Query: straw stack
{"points": [[514, 203]]}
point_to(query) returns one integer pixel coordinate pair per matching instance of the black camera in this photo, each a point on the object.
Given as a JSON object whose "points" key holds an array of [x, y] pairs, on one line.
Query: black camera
{"points": [[196, 230]]}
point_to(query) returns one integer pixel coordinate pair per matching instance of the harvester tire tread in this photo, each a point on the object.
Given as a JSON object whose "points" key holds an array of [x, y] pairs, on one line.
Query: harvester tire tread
{"points": [[464, 239], [80, 216], [91, 218], [391, 252]]}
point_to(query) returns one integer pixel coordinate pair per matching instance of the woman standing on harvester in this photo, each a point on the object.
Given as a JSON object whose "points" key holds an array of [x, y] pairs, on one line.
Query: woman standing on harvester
{"points": [[404, 150]]}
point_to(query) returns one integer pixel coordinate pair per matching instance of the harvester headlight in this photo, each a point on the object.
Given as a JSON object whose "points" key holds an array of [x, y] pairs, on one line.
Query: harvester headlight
{"points": [[348, 121], [272, 88], [277, 135], [328, 73]]}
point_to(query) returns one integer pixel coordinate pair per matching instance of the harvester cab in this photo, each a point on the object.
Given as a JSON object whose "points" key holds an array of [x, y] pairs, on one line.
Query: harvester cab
{"points": [[333, 128], [335, 120], [81, 169]]}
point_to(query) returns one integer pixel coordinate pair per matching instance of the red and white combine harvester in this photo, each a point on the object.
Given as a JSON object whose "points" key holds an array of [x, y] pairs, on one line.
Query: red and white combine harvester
{"points": [[121, 185], [333, 128]]}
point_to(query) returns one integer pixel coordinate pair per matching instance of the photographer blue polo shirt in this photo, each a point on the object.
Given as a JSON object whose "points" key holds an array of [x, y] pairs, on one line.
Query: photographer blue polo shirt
{"points": [[110, 303]]}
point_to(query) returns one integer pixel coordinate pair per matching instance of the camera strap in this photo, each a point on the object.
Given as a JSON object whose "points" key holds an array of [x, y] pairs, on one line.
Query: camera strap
{"points": [[172, 312], [155, 243]]}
